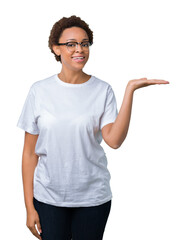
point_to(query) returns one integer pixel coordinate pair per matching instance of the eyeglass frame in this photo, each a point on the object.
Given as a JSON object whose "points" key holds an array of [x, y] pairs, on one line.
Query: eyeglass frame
{"points": [[80, 43]]}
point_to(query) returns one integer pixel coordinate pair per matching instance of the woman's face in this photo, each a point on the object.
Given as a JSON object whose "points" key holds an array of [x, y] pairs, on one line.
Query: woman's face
{"points": [[73, 34]]}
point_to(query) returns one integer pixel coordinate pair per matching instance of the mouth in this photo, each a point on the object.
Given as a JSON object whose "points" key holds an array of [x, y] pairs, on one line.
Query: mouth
{"points": [[78, 59]]}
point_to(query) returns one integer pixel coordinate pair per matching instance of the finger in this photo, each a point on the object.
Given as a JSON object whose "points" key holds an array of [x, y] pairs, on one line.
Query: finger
{"points": [[39, 226], [34, 232], [157, 81]]}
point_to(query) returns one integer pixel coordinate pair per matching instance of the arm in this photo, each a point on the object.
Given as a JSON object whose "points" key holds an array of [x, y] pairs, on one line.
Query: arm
{"points": [[120, 127], [115, 133], [29, 163]]}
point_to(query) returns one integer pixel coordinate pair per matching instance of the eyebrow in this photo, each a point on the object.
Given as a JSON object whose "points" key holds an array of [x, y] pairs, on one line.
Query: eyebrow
{"points": [[75, 39]]}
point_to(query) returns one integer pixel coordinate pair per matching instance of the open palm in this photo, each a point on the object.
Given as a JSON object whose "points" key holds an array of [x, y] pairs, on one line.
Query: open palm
{"points": [[144, 82]]}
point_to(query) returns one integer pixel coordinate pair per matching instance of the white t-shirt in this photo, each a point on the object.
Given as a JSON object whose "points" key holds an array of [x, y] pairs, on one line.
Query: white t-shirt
{"points": [[72, 165]]}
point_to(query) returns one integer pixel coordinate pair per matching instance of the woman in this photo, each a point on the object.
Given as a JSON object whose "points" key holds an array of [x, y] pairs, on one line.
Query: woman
{"points": [[65, 116]]}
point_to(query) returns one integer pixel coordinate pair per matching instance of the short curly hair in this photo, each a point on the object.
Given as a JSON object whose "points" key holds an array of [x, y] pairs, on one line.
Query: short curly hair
{"points": [[61, 25]]}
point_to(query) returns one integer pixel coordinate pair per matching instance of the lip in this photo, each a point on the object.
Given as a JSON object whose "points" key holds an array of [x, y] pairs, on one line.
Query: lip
{"points": [[78, 56], [78, 60]]}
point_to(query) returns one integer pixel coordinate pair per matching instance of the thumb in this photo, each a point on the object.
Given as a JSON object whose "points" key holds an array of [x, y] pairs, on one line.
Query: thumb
{"points": [[38, 226]]}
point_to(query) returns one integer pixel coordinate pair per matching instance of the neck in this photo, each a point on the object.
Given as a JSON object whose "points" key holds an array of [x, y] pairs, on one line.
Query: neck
{"points": [[73, 77]]}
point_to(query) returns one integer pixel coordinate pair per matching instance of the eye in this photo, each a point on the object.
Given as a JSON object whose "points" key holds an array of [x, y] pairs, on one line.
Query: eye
{"points": [[72, 44], [86, 44]]}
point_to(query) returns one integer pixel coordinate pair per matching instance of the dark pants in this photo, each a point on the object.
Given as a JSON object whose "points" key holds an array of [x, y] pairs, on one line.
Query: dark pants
{"points": [[76, 223]]}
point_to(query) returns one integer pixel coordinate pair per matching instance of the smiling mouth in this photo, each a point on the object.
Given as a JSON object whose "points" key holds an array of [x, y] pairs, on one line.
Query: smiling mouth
{"points": [[78, 59]]}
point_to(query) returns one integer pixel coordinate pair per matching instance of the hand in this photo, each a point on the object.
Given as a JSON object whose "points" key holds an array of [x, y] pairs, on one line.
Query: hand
{"points": [[144, 82], [32, 219]]}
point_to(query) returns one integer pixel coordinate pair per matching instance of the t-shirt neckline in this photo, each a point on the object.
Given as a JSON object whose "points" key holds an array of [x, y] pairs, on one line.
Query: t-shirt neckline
{"points": [[72, 84]]}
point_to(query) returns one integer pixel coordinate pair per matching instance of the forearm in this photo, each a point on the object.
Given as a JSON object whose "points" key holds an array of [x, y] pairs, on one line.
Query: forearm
{"points": [[120, 127], [29, 162]]}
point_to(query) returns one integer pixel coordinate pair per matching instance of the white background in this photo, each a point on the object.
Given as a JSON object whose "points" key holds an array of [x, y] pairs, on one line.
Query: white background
{"points": [[132, 39]]}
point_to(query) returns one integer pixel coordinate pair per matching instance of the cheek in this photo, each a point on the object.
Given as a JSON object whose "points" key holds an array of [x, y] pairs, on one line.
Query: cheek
{"points": [[66, 57], [87, 55]]}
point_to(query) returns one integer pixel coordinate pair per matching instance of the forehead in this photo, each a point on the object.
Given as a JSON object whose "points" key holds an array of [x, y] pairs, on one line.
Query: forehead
{"points": [[75, 33]]}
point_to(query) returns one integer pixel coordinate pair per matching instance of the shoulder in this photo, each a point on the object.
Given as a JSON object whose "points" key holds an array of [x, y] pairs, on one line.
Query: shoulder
{"points": [[42, 83], [102, 84]]}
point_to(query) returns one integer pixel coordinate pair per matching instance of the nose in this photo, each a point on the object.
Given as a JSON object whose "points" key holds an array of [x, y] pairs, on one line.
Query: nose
{"points": [[79, 47]]}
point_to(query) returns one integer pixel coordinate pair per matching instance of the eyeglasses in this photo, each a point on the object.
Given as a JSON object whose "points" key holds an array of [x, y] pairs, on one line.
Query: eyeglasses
{"points": [[72, 46]]}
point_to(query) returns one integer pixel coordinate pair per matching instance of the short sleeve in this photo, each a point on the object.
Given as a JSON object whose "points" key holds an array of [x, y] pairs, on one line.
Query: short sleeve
{"points": [[27, 120], [110, 111]]}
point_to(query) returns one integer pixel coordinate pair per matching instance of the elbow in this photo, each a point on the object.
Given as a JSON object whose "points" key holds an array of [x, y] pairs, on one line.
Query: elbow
{"points": [[116, 146], [112, 144]]}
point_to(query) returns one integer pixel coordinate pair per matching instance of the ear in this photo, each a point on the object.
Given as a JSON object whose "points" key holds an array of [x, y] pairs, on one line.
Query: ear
{"points": [[56, 49]]}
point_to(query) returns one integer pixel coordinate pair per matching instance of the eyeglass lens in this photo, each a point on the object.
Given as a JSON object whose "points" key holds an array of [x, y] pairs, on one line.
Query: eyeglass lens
{"points": [[73, 46]]}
